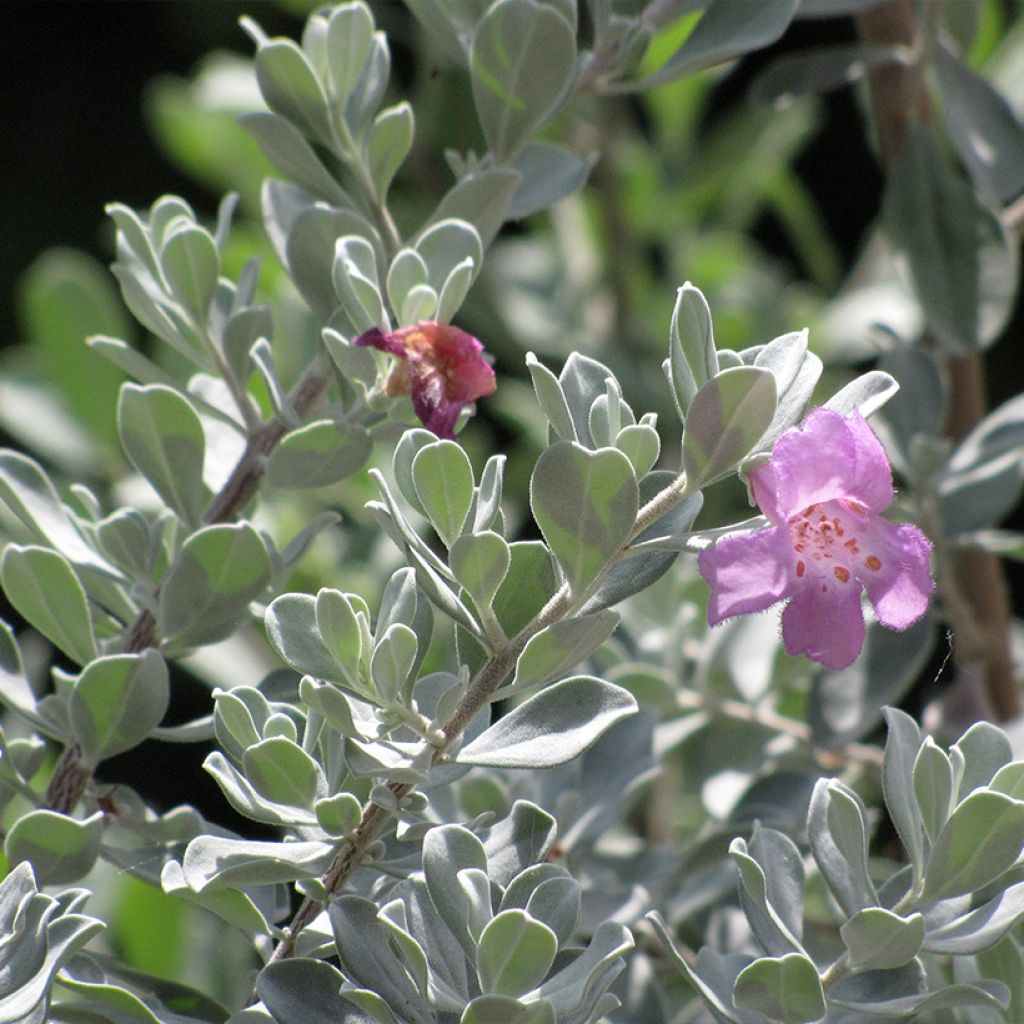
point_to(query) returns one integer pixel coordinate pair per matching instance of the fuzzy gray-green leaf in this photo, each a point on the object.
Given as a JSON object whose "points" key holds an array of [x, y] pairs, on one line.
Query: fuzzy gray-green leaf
{"points": [[585, 503]]}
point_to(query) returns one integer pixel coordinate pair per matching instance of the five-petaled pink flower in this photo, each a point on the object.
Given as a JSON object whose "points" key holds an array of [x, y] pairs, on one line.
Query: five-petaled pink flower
{"points": [[442, 368], [822, 491]]}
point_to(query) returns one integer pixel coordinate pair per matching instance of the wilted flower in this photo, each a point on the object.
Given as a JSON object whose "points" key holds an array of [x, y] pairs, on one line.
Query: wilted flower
{"points": [[442, 369], [822, 491]]}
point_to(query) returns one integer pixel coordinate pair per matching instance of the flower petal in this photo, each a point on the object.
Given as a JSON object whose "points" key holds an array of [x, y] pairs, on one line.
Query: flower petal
{"points": [[896, 574], [748, 572], [826, 623], [830, 456]]}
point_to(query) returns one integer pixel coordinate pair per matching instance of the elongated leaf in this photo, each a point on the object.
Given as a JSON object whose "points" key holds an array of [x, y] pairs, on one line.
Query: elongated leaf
{"points": [[725, 421], [521, 60], [552, 727], [60, 849], [117, 702], [443, 478], [561, 647], [983, 838], [692, 360], [213, 862], [44, 589], [585, 504], [218, 572], [318, 455], [163, 439]]}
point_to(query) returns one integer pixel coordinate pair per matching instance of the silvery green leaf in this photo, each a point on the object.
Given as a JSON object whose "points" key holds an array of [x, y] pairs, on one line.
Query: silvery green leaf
{"points": [[367, 957], [15, 690], [1001, 432], [292, 628], [117, 702], [641, 445], [866, 393], [522, 838], [443, 478], [985, 749], [492, 1009], [583, 380], [983, 837], [349, 42], [310, 253], [550, 173], [556, 902], [482, 199], [515, 953], [982, 993], [1009, 780], [339, 711], [768, 928], [959, 259], [709, 975], [305, 991], [522, 58], [725, 421], [933, 788], [448, 850], [191, 266], [407, 271], [559, 648], [241, 331], [446, 245], [341, 630], [552, 727], [287, 149], [986, 132], [370, 86], [282, 772], [692, 360], [979, 928], [728, 29], [785, 988], [60, 848], [43, 588], [355, 281], [480, 562], [130, 360], [796, 373], [878, 939], [215, 862], [392, 662], [230, 905], [163, 438], [654, 551], [389, 144], [585, 503], [551, 399], [1004, 962], [594, 969], [608, 415], [901, 750], [456, 288], [410, 445], [338, 814], [218, 571], [27, 491], [838, 841], [846, 705], [772, 888], [318, 454], [487, 514], [388, 761], [291, 88], [243, 796]]}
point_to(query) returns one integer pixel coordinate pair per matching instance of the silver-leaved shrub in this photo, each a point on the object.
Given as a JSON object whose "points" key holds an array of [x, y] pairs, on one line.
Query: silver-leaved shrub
{"points": [[491, 693]]}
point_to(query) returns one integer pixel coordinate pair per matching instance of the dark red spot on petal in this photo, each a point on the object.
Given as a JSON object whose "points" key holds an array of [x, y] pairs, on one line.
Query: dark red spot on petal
{"points": [[842, 574]]}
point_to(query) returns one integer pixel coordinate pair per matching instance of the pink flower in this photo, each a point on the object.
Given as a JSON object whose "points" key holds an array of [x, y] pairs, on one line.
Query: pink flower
{"points": [[822, 491], [442, 368]]}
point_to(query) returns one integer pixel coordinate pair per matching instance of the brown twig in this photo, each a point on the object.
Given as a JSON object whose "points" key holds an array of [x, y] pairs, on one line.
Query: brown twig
{"points": [[899, 100]]}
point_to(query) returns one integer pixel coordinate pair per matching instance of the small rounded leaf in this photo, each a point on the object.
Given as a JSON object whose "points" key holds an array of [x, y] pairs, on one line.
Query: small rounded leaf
{"points": [[480, 562], [785, 989], [60, 849], [443, 479]]}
